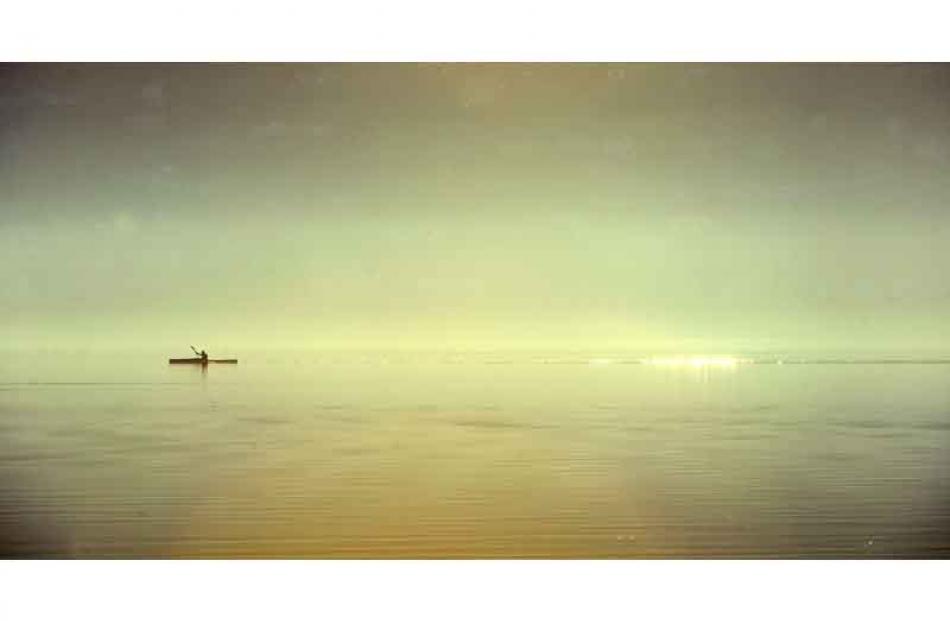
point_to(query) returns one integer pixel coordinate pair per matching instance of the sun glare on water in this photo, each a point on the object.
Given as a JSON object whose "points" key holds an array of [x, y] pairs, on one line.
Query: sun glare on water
{"points": [[697, 362]]}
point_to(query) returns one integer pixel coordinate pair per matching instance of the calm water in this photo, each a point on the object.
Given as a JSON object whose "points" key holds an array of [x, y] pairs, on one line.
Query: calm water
{"points": [[564, 456]]}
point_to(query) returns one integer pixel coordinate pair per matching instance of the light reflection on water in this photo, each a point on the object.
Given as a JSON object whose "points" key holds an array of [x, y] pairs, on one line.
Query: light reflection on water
{"points": [[463, 455]]}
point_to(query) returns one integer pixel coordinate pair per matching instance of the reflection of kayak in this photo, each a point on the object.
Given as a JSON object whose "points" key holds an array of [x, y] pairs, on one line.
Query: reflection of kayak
{"points": [[200, 361]]}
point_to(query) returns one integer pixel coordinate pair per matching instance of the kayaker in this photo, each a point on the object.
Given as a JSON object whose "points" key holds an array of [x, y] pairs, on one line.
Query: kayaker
{"points": [[204, 356]]}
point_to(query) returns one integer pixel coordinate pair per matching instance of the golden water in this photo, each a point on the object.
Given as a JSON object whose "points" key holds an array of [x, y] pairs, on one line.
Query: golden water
{"points": [[324, 455]]}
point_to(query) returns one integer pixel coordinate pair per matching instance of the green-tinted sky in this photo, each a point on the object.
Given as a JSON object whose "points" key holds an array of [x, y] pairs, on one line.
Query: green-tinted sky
{"points": [[689, 207]]}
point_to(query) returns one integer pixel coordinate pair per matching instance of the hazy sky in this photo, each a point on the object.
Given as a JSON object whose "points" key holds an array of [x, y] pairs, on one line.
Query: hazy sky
{"points": [[691, 207]]}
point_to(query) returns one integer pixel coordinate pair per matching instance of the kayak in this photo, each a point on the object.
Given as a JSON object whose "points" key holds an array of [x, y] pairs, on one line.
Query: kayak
{"points": [[200, 361]]}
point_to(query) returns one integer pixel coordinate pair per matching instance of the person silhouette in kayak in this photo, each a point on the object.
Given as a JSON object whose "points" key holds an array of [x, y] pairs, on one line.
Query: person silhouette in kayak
{"points": [[204, 357]]}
